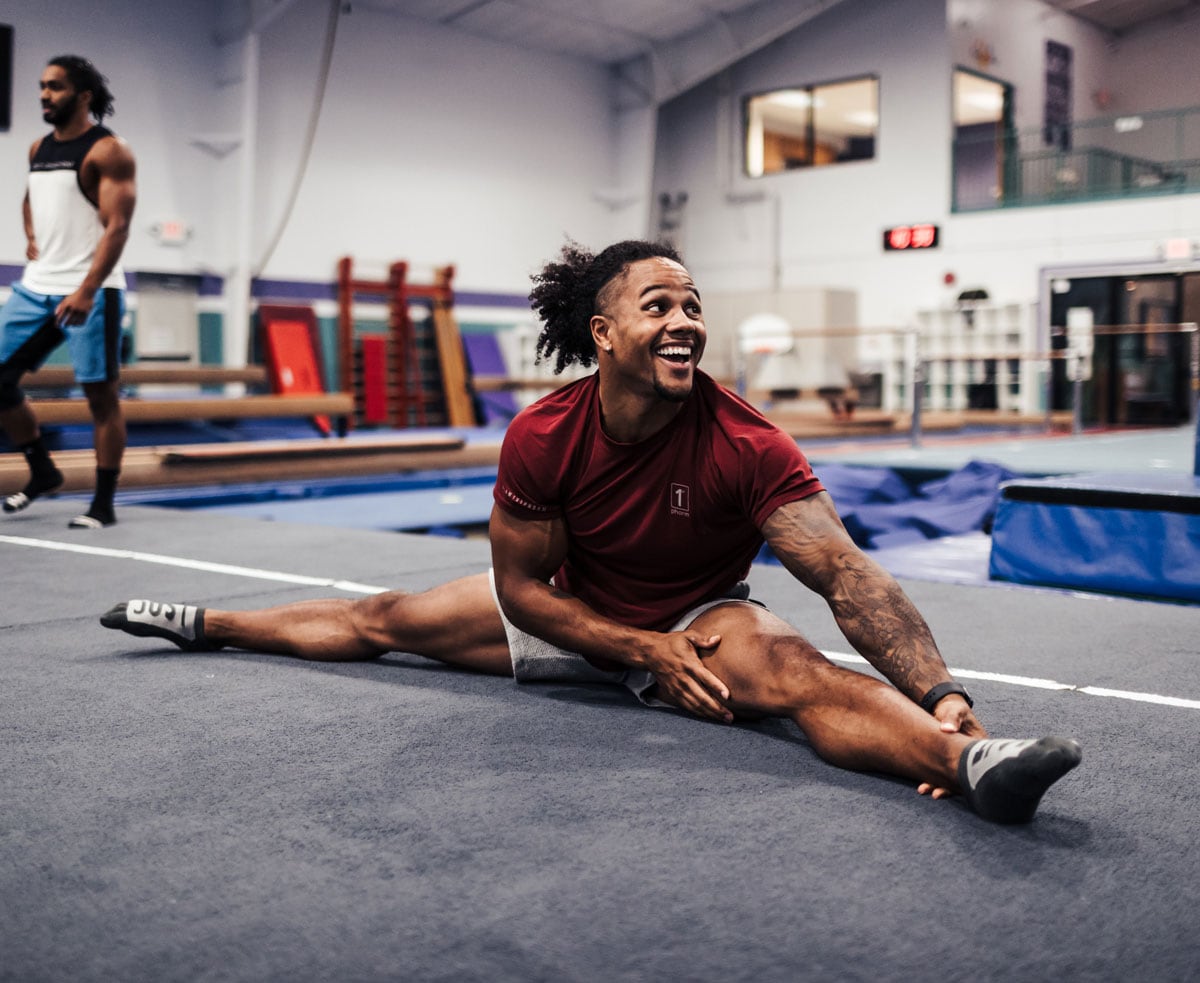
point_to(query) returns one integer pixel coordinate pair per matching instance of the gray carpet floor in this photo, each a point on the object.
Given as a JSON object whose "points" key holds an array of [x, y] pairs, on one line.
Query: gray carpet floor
{"points": [[233, 816]]}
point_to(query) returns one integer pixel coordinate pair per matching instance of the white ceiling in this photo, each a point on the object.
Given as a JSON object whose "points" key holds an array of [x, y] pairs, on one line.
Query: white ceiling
{"points": [[1122, 17], [613, 31], [604, 31]]}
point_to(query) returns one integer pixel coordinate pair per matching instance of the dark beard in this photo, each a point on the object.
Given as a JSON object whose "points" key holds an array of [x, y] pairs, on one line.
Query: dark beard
{"points": [[54, 115], [669, 395]]}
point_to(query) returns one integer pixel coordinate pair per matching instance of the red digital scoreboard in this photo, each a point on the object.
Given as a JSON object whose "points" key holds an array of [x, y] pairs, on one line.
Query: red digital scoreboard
{"points": [[908, 237]]}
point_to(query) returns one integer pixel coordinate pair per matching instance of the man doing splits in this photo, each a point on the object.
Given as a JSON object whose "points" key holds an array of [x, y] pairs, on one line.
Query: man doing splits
{"points": [[77, 212], [628, 508]]}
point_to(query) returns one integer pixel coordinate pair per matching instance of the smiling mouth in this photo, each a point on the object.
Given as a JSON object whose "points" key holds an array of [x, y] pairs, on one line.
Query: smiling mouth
{"points": [[675, 354]]}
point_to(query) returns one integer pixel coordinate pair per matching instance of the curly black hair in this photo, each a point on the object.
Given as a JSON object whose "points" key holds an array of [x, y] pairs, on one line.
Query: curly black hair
{"points": [[85, 77], [566, 294]]}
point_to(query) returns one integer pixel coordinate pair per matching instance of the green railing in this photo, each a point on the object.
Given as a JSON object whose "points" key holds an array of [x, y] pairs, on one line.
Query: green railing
{"points": [[1125, 156]]}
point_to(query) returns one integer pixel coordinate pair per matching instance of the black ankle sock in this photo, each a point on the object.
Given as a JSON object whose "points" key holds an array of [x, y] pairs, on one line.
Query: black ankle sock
{"points": [[102, 501], [43, 475], [35, 452]]}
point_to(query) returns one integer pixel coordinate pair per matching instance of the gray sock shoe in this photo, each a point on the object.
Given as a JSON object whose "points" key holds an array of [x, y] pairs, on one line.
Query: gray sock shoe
{"points": [[182, 624], [1004, 780]]}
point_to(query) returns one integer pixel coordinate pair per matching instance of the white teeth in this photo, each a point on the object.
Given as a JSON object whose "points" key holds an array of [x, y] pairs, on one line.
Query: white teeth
{"points": [[675, 350]]}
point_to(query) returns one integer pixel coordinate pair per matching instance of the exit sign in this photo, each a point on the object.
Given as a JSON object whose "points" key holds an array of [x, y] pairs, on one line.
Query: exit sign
{"points": [[910, 237]]}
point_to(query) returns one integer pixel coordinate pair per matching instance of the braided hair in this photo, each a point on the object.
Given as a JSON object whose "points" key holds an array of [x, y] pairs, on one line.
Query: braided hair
{"points": [[567, 294], [85, 77]]}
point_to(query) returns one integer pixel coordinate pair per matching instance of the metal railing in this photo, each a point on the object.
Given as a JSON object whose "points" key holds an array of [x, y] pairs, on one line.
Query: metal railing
{"points": [[1125, 156]]}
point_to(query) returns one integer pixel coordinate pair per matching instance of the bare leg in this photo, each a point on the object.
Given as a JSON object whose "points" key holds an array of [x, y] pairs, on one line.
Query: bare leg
{"points": [[20, 424], [108, 421], [852, 720], [456, 623]]}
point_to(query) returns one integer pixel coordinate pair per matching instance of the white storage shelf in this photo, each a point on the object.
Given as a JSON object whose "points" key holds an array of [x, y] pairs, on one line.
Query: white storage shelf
{"points": [[985, 350]]}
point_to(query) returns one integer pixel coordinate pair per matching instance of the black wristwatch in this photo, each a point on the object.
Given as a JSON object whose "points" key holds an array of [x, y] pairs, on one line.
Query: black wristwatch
{"points": [[934, 696]]}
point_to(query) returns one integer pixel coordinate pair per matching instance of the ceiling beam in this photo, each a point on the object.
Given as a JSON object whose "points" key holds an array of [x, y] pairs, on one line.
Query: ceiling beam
{"points": [[679, 64]]}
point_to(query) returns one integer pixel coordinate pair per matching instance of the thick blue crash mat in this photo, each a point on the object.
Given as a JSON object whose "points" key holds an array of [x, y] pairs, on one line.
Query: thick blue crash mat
{"points": [[1134, 534]]}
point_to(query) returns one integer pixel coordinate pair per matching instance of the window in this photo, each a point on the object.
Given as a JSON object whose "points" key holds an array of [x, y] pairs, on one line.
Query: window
{"points": [[811, 126]]}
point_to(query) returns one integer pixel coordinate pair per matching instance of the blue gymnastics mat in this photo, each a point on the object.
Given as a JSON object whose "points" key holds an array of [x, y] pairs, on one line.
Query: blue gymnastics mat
{"points": [[1134, 534]]}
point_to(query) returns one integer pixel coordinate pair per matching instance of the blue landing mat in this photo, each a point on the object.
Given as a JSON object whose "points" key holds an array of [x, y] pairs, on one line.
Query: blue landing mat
{"points": [[1112, 532]]}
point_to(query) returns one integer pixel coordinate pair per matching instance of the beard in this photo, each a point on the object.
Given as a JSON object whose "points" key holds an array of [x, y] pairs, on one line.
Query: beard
{"points": [[54, 115], [672, 395]]}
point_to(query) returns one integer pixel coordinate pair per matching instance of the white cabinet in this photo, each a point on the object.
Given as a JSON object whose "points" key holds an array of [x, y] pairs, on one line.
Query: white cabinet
{"points": [[981, 357]]}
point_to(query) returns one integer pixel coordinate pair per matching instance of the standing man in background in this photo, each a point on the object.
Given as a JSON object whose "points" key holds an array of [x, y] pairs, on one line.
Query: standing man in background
{"points": [[77, 210]]}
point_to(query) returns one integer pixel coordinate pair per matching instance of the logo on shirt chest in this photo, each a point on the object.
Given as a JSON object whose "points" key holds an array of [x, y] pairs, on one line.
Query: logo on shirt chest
{"points": [[681, 499]]}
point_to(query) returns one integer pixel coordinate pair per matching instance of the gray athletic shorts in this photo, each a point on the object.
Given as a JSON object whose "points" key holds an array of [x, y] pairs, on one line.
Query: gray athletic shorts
{"points": [[535, 660]]}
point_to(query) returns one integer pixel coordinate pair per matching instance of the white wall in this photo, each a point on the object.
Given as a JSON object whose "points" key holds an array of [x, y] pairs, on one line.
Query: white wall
{"points": [[832, 218], [1156, 67], [433, 146]]}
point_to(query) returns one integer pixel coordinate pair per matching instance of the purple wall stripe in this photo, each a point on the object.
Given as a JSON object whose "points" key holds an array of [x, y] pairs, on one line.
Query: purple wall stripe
{"points": [[303, 290]]}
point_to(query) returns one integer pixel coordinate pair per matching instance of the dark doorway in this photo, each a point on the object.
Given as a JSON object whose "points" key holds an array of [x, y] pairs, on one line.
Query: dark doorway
{"points": [[1138, 378]]}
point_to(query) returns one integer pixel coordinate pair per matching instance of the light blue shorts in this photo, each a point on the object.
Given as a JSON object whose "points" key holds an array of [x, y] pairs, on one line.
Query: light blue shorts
{"points": [[29, 333], [535, 660]]}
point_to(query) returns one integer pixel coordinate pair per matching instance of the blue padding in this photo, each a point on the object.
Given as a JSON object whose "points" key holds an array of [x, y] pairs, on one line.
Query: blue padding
{"points": [[880, 510], [960, 503], [850, 485], [1123, 551]]}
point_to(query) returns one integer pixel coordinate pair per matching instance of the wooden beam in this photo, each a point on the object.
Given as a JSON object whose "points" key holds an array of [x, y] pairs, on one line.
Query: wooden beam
{"points": [[63, 377], [215, 408], [145, 467], [321, 447], [504, 383]]}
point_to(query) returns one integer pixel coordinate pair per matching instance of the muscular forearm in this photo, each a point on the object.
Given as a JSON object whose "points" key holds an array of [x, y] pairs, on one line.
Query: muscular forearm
{"points": [[108, 253], [880, 621], [872, 611], [562, 619]]}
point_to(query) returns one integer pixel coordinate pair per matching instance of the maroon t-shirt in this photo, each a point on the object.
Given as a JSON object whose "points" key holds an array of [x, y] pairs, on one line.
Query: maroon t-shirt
{"points": [[659, 526]]}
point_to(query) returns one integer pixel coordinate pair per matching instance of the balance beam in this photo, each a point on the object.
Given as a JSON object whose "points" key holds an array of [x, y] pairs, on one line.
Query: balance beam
{"points": [[192, 464], [214, 408], [291, 450], [62, 377], [504, 383]]}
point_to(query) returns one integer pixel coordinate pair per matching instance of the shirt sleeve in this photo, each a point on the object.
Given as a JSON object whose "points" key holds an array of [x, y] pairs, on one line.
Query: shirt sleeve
{"points": [[525, 481], [776, 472]]}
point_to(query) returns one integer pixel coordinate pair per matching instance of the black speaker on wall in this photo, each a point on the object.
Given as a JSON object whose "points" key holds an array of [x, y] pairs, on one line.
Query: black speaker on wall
{"points": [[6, 38]]}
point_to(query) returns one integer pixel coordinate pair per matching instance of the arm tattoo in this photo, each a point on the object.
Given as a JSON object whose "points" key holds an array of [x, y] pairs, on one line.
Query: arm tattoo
{"points": [[871, 609], [880, 621]]}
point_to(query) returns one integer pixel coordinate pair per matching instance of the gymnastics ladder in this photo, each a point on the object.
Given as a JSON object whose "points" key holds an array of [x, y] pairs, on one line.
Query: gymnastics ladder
{"points": [[415, 374]]}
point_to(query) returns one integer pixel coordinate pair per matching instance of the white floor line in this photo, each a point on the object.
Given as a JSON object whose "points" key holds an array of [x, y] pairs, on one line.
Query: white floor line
{"points": [[1034, 683], [350, 587]]}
